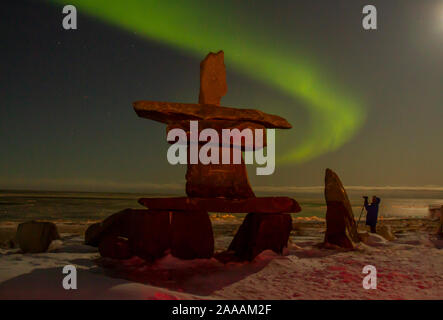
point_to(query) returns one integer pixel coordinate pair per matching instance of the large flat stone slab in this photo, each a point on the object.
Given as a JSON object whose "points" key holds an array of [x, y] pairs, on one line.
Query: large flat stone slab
{"points": [[170, 112], [258, 205]]}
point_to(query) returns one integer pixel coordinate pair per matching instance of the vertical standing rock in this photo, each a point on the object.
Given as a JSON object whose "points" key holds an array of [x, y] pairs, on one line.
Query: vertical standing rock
{"points": [[191, 235], [149, 233], [341, 228], [216, 180], [212, 79]]}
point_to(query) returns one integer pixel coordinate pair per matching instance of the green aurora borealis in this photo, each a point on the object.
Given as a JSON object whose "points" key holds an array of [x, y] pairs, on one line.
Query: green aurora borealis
{"points": [[335, 114]]}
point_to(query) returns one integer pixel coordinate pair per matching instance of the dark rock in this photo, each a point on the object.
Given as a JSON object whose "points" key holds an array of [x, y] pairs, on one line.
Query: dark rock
{"points": [[92, 234], [149, 233], [191, 235], [259, 232], [146, 230], [258, 204], [36, 236], [341, 229], [115, 247], [212, 79], [109, 226]]}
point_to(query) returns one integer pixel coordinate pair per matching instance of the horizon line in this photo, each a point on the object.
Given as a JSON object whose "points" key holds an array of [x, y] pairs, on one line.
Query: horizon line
{"points": [[114, 187]]}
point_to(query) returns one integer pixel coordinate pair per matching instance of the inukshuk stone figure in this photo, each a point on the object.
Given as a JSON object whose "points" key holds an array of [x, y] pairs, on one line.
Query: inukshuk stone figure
{"points": [[209, 187]]}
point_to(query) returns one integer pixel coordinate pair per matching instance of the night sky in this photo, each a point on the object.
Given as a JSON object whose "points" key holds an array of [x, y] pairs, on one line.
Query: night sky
{"points": [[368, 104]]}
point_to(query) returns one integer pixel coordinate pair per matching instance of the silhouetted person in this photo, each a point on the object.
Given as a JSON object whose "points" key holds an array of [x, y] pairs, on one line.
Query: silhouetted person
{"points": [[372, 215]]}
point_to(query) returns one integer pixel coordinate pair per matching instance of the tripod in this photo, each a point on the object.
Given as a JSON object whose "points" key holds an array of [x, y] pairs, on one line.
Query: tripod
{"points": [[362, 208]]}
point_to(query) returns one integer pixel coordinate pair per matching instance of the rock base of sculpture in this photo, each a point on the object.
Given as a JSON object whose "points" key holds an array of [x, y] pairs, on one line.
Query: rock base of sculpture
{"points": [[148, 234], [191, 235], [187, 233], [259, 232], [115, 247]]}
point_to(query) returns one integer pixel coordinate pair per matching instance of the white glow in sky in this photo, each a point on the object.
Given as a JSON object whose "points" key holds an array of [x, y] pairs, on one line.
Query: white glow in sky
{"points": [[439, 17]]}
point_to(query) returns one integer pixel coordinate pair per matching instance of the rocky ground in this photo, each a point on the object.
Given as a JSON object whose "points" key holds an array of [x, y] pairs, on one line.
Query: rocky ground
{"points": [[225, 227], [408, 267]]}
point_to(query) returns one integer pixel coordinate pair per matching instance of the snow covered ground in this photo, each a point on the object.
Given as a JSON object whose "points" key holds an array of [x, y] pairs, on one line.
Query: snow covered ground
{"points": [[407, 268]]}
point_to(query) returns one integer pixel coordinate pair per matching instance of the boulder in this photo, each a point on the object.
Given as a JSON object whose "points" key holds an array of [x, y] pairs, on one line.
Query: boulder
{"points": [[385, 232], [97, 231], [147, 231], [36, 236], [212, 79], [191, 235], [92, 234], [341, 229], [259, 232], [115, 247]]}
